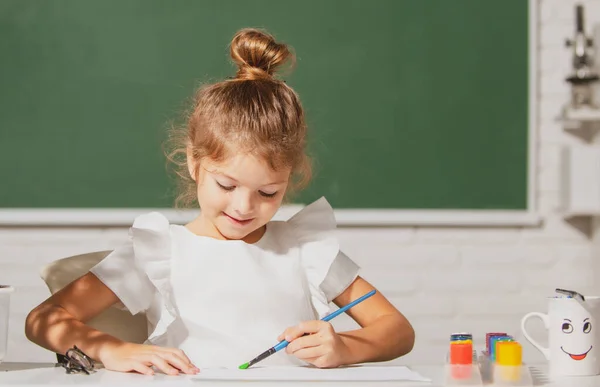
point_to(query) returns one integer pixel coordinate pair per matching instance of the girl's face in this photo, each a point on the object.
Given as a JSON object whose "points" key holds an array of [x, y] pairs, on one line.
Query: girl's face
{"points": [[239, 196]]}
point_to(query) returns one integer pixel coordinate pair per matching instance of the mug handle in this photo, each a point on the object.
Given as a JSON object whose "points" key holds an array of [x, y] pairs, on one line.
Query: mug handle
{"points": [[544, 317]]}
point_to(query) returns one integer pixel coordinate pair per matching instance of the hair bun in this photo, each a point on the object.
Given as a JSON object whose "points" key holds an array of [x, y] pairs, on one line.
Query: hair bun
{"points": [[257, 54]]}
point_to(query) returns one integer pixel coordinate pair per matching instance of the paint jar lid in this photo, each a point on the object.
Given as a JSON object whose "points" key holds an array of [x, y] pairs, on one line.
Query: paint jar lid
{"points": [[461, 336]]}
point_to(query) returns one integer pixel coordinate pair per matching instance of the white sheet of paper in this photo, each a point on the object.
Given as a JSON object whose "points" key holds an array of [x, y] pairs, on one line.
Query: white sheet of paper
{"points": [[290, 373]]}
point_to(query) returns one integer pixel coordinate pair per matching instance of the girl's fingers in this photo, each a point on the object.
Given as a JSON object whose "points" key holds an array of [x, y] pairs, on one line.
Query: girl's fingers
{"points": [[312, 326], [179, 362], [289, 333], [309, 353], [142, 369], [305, 327], [163, 365], [303, 342], [178, 352]]}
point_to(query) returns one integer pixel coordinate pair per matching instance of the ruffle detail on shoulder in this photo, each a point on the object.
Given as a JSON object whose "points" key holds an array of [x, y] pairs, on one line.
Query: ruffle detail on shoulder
{"points": [[315, 227], [152, 251]]}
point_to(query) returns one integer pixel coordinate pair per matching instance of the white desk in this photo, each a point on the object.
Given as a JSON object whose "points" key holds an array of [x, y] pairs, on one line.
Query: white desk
{"points": [[42, 374]]}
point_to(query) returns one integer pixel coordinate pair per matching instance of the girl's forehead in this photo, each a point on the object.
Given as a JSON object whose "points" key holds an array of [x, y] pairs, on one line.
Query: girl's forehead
{"points": [[247, 166]]}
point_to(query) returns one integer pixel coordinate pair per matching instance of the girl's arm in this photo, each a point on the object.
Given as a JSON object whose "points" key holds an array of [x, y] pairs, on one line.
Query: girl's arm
{"points": [[385, 333], [58, 324]]}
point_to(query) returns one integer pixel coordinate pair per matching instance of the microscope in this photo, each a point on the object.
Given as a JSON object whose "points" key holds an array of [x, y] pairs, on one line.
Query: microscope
{"points": [[583, 75]]}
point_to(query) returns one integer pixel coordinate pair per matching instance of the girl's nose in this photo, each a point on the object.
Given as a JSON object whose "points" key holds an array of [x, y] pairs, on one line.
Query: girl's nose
{"points": [[243, 205]]}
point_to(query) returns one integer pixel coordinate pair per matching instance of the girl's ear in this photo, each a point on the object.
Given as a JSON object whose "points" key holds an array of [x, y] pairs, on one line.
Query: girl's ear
{"points": [[191, 163]]}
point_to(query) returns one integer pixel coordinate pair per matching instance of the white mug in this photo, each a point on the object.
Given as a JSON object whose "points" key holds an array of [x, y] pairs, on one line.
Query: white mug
{"points": [[5, 292], [573, 336]]}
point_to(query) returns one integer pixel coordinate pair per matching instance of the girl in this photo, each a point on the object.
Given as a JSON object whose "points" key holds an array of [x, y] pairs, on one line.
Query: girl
{"points": [[218, 291]]}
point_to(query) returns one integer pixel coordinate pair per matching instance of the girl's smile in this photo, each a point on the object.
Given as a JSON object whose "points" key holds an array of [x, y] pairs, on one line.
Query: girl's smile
{"points": [[238, 222]]}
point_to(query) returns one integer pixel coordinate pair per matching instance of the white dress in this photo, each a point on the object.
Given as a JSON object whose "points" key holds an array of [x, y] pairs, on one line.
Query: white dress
{"points": [[223, 302]]}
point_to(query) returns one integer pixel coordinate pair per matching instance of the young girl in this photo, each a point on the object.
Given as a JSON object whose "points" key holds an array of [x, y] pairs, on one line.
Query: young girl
{"points": [[231, 283]]}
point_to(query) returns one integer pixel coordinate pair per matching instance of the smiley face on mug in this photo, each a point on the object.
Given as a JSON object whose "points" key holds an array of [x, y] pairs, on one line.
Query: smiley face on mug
{"points": [[570, 346]]}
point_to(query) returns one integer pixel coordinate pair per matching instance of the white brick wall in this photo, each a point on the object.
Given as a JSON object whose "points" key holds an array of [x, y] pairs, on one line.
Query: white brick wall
{"points": [[443, 279]]}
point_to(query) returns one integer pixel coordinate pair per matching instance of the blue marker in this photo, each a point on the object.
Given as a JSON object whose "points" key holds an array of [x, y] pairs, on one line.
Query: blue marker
{"points": [[284, 343]]}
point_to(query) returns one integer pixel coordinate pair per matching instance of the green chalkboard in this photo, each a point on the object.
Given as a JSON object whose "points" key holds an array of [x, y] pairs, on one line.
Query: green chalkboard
{"points": [[411, 104]]}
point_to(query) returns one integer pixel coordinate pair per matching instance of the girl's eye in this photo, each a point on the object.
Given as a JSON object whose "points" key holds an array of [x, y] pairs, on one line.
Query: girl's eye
{"points": [[225, 187], [268, 195]]}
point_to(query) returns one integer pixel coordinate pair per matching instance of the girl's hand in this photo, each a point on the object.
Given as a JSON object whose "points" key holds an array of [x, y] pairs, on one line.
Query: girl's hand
{"points": [[316, 343], [127, 357]]}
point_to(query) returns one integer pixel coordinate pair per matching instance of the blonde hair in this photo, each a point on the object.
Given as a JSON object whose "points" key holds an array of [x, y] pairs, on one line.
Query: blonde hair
{"points": [[253, 112]]}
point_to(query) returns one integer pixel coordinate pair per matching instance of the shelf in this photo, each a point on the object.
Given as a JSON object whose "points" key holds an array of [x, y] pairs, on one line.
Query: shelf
{"points": [[581, 114], [580, 180], [581, 213]]}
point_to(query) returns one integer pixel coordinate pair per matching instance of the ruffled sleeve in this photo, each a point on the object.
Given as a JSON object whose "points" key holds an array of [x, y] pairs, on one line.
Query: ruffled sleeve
{"points": [[121, 274], [329, 271], [136, 271]]}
